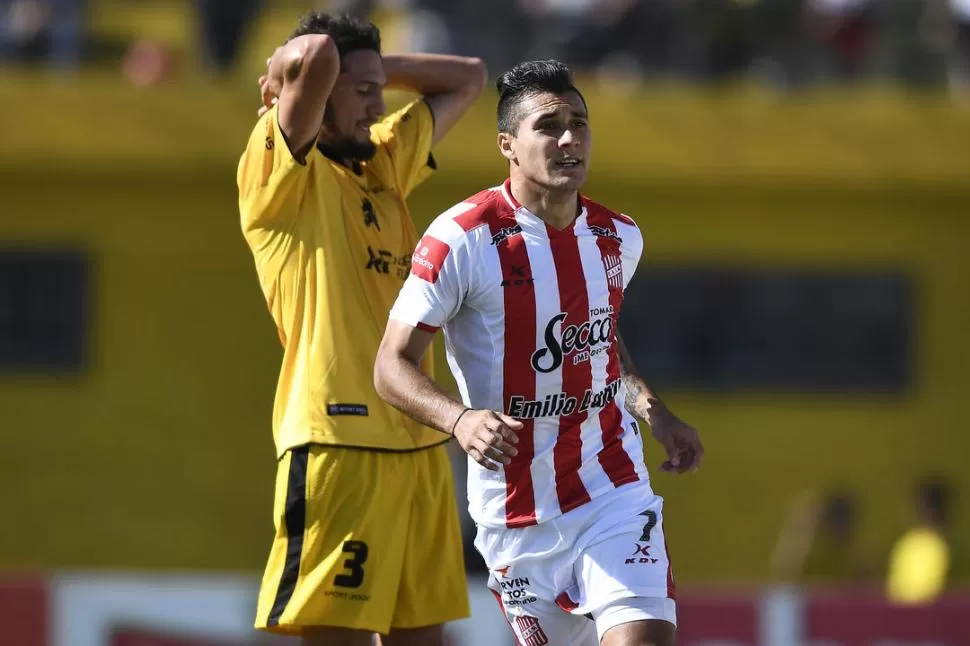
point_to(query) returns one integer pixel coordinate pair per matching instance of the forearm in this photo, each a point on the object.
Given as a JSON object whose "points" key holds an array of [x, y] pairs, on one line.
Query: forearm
{"points": [[640, 399], [401, 383], [432, 74]]}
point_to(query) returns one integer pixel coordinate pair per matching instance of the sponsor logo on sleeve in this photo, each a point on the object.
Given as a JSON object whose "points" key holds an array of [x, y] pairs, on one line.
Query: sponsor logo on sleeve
{"points": [[428, 258]]}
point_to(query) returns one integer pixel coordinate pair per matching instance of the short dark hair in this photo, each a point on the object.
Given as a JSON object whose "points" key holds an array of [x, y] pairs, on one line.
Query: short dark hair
{"points": [[528, 79], [349, 33]]}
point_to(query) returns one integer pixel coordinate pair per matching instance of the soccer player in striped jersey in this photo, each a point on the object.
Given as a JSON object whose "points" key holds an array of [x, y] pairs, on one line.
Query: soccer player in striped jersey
{"points": [[527, 281]]}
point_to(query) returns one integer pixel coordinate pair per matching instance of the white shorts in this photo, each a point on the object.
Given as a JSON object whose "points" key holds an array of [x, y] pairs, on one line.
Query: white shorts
{"points": [[569, 580]]}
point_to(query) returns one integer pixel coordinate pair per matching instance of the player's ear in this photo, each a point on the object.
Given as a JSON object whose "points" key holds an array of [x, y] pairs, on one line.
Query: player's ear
{"points": [[506, 145]]}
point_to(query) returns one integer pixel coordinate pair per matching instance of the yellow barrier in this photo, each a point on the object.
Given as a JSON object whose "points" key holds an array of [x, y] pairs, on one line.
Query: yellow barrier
{"points": [[160, 454]]}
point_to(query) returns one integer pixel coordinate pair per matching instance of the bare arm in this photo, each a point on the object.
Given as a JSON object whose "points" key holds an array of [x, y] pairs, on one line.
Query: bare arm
{"points": [[641, 401], [401, 383], [301, 74], [483, 434], [450, 84], [680, 440]]}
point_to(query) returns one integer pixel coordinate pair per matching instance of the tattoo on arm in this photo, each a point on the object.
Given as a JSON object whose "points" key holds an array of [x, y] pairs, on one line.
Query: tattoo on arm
{"points": [[639, 399]]}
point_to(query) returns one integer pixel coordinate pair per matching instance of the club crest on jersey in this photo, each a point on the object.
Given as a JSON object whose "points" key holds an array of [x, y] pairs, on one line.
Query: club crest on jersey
{"points": [[530, 630], [428, 258], [505, 233], [614, 270]]}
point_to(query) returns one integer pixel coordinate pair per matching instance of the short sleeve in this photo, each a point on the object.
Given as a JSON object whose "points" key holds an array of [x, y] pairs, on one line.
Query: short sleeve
{"points": [[404, 146], [435, 288], [270, 180], [631, 247]]}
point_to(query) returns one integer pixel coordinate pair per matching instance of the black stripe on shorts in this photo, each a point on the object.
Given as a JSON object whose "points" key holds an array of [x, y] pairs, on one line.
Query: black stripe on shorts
{"points": [[295, 518]]}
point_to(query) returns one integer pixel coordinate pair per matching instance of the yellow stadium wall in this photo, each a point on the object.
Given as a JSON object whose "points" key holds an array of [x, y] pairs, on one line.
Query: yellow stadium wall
{"points": [[159, 455]]}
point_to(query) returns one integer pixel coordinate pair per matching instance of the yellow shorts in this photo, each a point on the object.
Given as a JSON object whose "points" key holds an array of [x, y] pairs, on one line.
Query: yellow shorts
{"points": [[364, 539]]}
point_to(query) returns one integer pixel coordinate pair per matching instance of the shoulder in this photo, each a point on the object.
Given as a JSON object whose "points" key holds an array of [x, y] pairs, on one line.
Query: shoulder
{"points": [[469, 219], [603, 214], [619, 224], [415, 117]]}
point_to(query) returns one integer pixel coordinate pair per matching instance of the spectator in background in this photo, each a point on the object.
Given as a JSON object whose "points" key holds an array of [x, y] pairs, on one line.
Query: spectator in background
{"points": [[920, 559], [360, 8], [494, 30], [51, 30], [782, 44], [958, 56], [911, 41], [636, 35], [222, 25], [818, 543], [726, 28], [843, 31]]}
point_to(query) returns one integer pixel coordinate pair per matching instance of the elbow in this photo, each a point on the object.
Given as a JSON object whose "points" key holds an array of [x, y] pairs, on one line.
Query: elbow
{"points": [[321, 56], [311, 55], [381, 381], [320, 46], [477, 76]]}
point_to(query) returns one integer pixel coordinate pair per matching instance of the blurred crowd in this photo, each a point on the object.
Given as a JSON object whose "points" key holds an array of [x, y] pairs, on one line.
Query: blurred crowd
{"points": [[821, 543], [784, 43]]}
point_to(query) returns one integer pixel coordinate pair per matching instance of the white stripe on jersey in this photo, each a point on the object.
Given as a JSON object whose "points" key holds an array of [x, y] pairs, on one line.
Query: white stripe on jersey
{"points": [[547, 300], [500, 257]]}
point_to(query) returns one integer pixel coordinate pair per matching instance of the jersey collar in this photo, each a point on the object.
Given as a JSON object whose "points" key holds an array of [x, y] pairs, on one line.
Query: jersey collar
{"points": [[518, 210], [330, 154]]}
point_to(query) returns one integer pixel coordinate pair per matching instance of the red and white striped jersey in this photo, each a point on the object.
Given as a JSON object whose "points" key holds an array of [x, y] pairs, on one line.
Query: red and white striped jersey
{"points": [[530, 319]]}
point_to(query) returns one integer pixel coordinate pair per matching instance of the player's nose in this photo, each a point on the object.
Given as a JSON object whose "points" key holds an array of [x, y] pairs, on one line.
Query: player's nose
{"points": [[569, 139], [377, 109]]}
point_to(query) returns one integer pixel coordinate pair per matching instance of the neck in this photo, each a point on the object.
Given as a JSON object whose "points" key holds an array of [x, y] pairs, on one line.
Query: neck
{"points": [[558, 209], [325, 140], [334, 155]]}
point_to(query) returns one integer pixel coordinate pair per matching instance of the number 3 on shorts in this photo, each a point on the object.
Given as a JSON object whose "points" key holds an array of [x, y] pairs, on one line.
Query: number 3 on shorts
{"points": [[354, 574]]}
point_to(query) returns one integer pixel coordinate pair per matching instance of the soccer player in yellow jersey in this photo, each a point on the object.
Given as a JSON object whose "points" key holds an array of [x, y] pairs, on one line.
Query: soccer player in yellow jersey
{"points": [[920, 560], [367, 536]]}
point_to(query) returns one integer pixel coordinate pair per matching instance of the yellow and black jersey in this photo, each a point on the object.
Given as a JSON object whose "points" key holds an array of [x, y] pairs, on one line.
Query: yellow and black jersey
{"points": [[332, 247]]}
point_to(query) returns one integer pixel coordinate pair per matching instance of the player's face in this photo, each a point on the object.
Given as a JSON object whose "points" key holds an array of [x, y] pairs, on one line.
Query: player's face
{"points": [[553, 143], [356, 103]]}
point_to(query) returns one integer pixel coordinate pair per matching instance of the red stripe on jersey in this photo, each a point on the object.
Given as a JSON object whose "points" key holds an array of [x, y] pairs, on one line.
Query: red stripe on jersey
{"points": [[427, 328], [428, 257], [598, 210], [577, 378], [476, 217], [564, 602], [518, 375], [625, 219], [671, 586], [613, 457]]}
